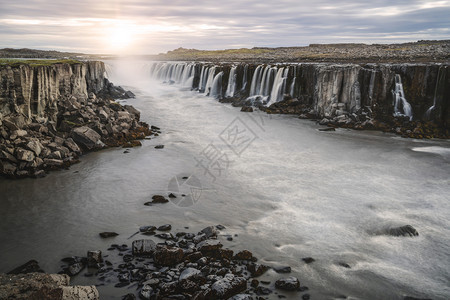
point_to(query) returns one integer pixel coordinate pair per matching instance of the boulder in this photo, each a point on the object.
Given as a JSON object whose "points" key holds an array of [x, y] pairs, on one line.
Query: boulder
{"points": [[24, 155], [168, 256], [94, 257], [406, 230], [31, 266], [87, 138], [35, 146], [288, 284], [228, 286], [108, 234], [143, 247], [69, 143], [189, 273]]}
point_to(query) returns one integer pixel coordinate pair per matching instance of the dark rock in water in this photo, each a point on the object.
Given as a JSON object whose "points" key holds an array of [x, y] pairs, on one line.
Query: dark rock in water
{"points": [[143, 247], [247, 109], [129, 297], [345, 265], [288, 284], [327, 129], [155, 128], [256, 269], [406, 230], [168, 256], [108, 234], [31, 266], [220, 227], [209, 231], [171, 195], [282, 269], [413, 298], [254, 283], [306, 297], [159, 199], [94, 257], [242, 297], [165, 227], [129, 94], [308, 260], [74, 269], [263, 291], [159, 146], [244, 255], [146, 292], [227, 287], [121, 284], [185, 177], [165, 236], [147, 228]]}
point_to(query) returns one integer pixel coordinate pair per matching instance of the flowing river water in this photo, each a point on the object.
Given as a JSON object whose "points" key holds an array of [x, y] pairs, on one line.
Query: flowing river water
{"points": [[283, 190]]}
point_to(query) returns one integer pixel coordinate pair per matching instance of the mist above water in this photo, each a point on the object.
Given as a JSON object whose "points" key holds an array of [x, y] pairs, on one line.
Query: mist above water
{"points": [[293, 192]]}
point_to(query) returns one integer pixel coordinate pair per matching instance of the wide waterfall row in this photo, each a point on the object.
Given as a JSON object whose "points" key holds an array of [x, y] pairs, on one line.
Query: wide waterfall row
{"points": [[265, 84], [328, 88]]}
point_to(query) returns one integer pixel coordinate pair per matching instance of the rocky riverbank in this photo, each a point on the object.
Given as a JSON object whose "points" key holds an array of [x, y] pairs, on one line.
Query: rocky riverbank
{"points": [[50, 115]]}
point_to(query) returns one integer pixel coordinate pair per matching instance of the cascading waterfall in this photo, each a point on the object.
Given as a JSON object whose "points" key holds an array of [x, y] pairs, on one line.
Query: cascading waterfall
{"points": [[216, 89], [231, 83], [291, 89], [440, 82], [244, 78], [256, 82], [279, 86], [401, 105], [210, 80]]}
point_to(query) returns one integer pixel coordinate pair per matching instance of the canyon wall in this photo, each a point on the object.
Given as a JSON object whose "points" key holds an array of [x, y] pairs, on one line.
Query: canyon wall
{"points": [[30, 93], [420, 92]]}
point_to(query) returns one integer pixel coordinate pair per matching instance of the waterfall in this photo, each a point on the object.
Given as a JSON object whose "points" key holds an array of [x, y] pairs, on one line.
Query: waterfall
{"points": [[256, 81], [279, 86], [216, 90], [440, 77], [200, 83], [210, 79], [400, 102], [263, 80], [231, 83], [291, 89], [244, 78]]}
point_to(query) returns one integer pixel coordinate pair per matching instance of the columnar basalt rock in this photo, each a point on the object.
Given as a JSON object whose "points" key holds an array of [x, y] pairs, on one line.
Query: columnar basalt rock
{"points": [[50, 114]]}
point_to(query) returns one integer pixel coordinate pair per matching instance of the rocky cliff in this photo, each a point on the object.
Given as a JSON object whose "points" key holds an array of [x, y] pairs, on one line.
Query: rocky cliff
{"points": [[418, 92], [50, 114]]}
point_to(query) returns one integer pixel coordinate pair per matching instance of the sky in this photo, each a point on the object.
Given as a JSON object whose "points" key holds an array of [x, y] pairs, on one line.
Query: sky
{"points": [[155, 26]]}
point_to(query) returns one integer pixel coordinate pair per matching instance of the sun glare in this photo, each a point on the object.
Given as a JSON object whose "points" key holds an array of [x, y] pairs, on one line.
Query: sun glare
{"points": [[119, 38]]}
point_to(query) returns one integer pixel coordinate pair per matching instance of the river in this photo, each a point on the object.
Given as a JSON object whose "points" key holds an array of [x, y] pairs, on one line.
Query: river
{"points": [[282, 189]]}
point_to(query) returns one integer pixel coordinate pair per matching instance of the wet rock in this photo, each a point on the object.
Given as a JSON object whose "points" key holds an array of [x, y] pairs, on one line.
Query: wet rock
{"points": [[260, 290], [406, 230], [306, 297], [94, 257], [43, 286], [229, 286], [159, 146], [345, 265], [28, 267], [143, 247], [108, 234], [288, 284], [327, 129], [129, 297], [146, 292], [74, 269], [244, 255], [168, 256], [159, 199], [247, 109], [147, 228], [308, 260], [171, 195], [256, 269], [189, 273], [165, 227], [209, 231], [242, 297], [282, 269]]}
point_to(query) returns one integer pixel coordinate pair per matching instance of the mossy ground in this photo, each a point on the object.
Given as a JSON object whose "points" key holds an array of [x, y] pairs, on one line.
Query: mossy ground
{"points": [[36, 62]]}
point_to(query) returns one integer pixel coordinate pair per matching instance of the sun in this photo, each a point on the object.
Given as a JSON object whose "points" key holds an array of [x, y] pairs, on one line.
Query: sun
{"points": [[119, 37]]}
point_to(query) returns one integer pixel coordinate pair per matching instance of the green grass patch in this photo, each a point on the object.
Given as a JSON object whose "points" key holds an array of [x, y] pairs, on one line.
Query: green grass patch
{"points": [[36, 62]]}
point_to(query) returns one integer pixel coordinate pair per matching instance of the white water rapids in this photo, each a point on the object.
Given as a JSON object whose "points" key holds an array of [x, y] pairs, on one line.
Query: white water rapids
{"points": [[292, 192]]}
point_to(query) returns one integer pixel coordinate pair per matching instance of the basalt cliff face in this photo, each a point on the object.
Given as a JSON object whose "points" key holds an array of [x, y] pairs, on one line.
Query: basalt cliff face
{"points": [[28, 92], [50, 114], [348, 93]]}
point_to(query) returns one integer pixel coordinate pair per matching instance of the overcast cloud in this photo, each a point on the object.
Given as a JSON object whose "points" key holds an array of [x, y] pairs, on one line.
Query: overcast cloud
{"points": [[152, 26]]}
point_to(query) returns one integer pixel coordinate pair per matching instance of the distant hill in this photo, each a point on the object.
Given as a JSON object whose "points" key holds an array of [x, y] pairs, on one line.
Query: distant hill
{"points": [[33, 53]]}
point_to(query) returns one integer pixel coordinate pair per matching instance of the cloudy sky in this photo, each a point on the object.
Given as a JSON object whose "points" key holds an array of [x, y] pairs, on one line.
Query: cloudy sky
{"points": [[153, 26]]}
